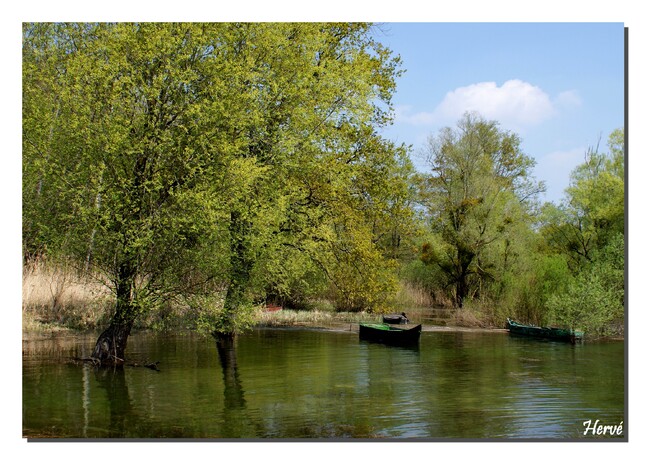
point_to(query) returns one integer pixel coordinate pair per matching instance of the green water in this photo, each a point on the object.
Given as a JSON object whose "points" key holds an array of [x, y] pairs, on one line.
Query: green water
{"points": [[323, 384]]}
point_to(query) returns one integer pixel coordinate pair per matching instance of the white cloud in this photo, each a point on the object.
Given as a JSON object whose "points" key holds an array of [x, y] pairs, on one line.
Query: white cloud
{"points": [[516, 105]]}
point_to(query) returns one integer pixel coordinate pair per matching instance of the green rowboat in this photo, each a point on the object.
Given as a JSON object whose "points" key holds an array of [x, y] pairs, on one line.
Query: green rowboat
{"points": [[388, 334], [556, 334]]}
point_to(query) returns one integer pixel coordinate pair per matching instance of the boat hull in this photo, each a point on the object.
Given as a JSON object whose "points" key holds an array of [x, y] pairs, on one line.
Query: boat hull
{"points": [[555, 334], [387, 334]]}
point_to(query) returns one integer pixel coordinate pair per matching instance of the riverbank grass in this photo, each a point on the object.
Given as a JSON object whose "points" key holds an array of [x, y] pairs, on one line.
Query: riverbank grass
{"points": [[56, 298], [311, 318]]}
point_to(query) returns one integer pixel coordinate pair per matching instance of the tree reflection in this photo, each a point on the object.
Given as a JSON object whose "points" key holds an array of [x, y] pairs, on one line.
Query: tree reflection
{"points": [[114, 382], [236, 423], [233, 392]]}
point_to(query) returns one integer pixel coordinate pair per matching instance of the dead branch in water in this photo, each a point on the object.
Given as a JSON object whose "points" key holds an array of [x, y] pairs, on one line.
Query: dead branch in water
{"points": [[96, 362]]}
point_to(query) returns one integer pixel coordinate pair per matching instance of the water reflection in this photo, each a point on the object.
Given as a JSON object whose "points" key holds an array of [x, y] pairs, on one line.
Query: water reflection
{"points": [[113, 381], [233, 392], [317, 384], [235, 419]]}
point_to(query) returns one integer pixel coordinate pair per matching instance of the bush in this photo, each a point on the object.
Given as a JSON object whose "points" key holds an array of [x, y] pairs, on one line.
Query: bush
{"points": [[587, 305], [594, 301]]}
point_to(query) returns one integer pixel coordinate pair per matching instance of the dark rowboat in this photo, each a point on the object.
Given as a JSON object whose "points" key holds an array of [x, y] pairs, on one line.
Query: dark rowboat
{"points": [[381, 332], [556, 334], [395, 319]]}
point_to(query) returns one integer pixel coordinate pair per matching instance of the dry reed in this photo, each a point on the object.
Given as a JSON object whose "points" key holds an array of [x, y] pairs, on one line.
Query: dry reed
{"points": [[56, 296], [411, 295]]}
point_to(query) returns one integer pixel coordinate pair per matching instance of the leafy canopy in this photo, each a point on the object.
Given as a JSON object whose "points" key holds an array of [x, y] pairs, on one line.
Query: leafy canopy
{"points": [[220, 161]]}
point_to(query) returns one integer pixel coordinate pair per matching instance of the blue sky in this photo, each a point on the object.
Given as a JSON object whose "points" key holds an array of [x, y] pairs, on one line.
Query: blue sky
{"points": [[560, 86]]}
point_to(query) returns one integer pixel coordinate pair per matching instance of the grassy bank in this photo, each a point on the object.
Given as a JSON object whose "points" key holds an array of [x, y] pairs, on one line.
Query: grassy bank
{"points": [[57, 299]]}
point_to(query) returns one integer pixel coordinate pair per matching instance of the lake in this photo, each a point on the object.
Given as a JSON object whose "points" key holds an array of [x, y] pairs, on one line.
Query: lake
{"points": [[316, 384]]}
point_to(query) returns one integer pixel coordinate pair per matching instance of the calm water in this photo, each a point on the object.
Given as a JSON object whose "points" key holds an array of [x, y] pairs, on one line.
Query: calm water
{"points": [[325, 384]]}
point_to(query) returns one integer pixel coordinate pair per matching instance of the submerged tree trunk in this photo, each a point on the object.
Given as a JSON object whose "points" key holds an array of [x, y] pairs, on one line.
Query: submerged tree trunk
{"points": [[111, 344]]}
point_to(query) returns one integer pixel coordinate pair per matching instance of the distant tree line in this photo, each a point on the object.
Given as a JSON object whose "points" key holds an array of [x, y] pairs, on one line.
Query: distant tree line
{"points": [[490, 243]]}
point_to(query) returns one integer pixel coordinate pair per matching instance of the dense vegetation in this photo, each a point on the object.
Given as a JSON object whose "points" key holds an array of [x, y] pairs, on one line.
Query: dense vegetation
{"points": [[492, 246], [220, 166]]}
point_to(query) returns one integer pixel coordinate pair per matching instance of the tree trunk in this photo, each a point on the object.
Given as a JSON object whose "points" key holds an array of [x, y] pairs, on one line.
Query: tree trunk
{"points": [[465, 257], [111, 344], [241, 263], [461, 291], [241, 266]]}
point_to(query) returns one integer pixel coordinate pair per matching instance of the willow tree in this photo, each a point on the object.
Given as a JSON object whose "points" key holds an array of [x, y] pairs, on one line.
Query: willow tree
{"points": [[135, 139], [325, 175], [479, 194], [183, 161]]}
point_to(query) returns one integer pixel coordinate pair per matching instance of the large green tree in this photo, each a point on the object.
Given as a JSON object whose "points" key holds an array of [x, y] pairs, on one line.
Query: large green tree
{"points": [[197, 162], [588, 229], [479, 196]]}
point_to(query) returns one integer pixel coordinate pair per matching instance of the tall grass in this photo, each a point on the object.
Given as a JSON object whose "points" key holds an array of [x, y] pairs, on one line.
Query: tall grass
{"points": [[312, 317], [411, 295], [55, 296]]}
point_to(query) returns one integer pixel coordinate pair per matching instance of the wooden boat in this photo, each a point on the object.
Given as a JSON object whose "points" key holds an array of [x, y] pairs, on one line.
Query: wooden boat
{"points": [[382, 332], [556, 334], [395, 319]]}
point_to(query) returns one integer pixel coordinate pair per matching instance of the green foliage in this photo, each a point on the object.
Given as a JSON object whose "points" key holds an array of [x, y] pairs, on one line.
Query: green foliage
{"points": [[594, 299], [545, 276], [227, 164], [594, 209], [194, 160], [589, 230], [212, 317], [493, 249]]}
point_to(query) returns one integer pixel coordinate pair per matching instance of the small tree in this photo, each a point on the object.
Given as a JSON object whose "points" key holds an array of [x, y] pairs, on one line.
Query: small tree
{"points": [[594, 300]]}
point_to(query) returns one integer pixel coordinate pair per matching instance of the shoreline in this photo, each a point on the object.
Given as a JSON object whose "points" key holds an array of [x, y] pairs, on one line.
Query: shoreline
{"points": [[284, 320], [46, 332], [354, 327], [49, 333]]}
